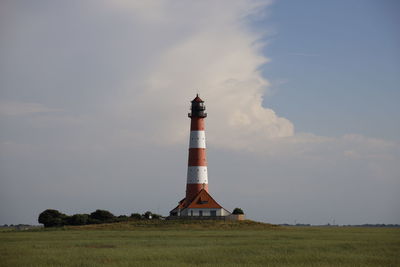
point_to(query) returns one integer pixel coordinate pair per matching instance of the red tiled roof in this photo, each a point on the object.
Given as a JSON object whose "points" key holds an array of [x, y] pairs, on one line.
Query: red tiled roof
{"points": [[181, 204], [203, 200]]}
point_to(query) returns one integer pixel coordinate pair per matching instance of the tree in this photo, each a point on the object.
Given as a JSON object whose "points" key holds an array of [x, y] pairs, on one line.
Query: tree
{"points": [[52, 218], [122, 218], [148, 215], [156, 216], [78, 219], [136, 216], [237, 211], [102, 216]]}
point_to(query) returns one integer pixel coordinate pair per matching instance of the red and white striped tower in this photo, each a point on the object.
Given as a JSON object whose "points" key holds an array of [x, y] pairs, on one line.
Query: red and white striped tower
{"points": [[198, 202], [197, 177]]}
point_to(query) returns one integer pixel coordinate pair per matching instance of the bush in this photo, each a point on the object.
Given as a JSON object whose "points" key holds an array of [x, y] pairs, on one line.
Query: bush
{"points": [[237, 211], [148, 215], [102, 216], [93, 221], [136, 216], [156, 216], [78, 219], [122, 218], [52, 218]]}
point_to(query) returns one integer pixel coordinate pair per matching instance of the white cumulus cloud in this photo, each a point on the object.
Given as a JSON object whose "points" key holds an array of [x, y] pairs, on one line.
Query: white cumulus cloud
{"points": [[219, 57]]}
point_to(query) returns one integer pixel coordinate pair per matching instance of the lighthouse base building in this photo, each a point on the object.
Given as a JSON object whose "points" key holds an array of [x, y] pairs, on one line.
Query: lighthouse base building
{"points": [[202, 205], [198, 202]]}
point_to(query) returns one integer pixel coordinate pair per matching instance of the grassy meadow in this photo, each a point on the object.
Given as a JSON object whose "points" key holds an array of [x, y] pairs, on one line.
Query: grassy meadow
{"points": [[205, 243]]}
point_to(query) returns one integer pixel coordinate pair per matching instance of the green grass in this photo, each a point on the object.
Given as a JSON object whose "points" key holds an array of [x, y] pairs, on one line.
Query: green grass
{"points": [[203, 243]]}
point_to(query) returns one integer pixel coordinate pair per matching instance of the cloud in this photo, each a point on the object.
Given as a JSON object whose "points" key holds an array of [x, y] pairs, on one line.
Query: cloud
{"points": [[156, 56], [220, 59]]}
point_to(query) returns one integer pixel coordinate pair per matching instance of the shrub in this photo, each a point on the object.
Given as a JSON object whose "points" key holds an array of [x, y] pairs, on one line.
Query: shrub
{"points": [[136, 216], [237, 211], [148, 215], [93, 221], [52, 218], [78, 219], [102, 216], [122, 218], [156, 216]]}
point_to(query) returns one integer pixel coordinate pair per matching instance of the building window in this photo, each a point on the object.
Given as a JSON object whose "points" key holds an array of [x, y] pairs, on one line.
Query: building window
{"points": [[200, 213], [191, 213], [213, 213]]}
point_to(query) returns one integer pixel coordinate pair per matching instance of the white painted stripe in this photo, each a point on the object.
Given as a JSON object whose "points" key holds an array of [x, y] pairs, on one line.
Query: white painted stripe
{"points": [[197, 139], [197, 175]]}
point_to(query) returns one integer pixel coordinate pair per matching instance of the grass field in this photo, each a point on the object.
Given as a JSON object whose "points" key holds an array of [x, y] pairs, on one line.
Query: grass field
{"points": [[200, 244]]}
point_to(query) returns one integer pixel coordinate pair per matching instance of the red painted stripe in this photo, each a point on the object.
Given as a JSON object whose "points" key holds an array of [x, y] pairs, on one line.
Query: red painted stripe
{"points": [[197, 157], [197, 124], [193, 189]]}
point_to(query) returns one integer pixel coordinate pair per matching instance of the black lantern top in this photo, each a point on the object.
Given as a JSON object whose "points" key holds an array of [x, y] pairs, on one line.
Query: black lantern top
{"points": [[198, 108]]}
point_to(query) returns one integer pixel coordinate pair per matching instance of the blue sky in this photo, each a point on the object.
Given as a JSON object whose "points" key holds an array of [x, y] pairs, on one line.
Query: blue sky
{"points": [[302, 101], [335, 66]]}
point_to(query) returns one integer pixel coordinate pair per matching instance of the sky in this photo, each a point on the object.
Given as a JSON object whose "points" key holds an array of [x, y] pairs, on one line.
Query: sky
{"points": [[301, 98]]}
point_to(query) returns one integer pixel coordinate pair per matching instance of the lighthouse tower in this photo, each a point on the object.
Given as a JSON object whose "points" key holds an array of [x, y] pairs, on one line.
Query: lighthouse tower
{"points": [[198, 201], [197, 177]]}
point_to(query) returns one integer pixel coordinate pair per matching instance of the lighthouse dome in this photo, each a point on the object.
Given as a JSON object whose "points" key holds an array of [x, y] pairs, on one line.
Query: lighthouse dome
{"points": [[197, 99], [198, 108]]}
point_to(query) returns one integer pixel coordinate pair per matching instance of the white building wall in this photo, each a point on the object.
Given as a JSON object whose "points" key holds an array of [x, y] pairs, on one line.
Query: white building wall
{"points": [[224, 212], [206, 212]]}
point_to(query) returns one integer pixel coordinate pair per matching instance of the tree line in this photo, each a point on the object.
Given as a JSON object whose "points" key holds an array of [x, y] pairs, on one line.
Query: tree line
{"points": [[54, 218]]}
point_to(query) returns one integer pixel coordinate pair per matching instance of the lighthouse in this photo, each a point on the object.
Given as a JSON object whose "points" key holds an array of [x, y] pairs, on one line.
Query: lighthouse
{"points": [[198, 201], [197, 177]]}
